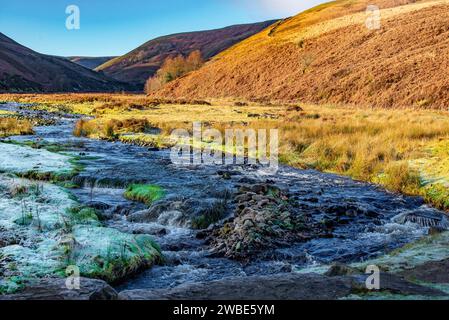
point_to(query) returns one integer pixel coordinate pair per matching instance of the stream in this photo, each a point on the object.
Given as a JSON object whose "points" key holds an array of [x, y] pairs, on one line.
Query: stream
{"points": [[109, 167]]}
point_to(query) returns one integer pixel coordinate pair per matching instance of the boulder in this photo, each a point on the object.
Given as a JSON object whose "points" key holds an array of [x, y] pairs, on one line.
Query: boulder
{"points": [[396, 284], [277, 287], [288, 286], [56, 289], [431, 272], [340, 269]]}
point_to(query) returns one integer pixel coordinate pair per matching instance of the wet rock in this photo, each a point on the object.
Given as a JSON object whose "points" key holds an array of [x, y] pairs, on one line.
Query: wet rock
{"points": [[261, 221], [180, 246], [97, 205], [167, 218], [203, 234], [56, 289], [173, 218], [119, 210], [431, 272], [340, 269], [150, 229], [351, 211], [277, 287], [247, 180], [140, 228], [288, 286], [426, 217], [141, 216], [396, 285], [228, 174], [157, 208]]}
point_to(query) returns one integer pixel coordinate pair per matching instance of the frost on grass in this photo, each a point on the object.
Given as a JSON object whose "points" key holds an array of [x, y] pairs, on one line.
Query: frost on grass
{"points": [[110, 254], [22, 159], [34, 206], [432, 248], [42, 231]]}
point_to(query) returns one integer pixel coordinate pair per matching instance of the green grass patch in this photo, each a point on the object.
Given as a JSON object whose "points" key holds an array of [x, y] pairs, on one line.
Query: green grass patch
{"points": [[83, 215], [438, 195], [212, 215], [144, 193]]}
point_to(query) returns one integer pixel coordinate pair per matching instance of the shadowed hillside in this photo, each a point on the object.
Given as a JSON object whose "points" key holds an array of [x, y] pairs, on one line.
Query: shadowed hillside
{"points": [[24, 70], [328, 55], [140, 64]]}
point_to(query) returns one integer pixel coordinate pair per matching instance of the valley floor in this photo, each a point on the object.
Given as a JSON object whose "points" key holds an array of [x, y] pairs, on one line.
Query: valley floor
{"points": [[132, 206]]}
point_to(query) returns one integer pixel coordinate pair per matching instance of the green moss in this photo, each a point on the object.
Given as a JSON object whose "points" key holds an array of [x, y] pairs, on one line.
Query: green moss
{"points": [[144, 193], [25, 220], [438, 195], [212, 215], [83, 215], [69, 185], [55, 177]]}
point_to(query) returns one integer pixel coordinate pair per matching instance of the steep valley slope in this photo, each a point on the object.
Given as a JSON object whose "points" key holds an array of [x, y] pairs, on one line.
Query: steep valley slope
{"points": [[328, 55]]}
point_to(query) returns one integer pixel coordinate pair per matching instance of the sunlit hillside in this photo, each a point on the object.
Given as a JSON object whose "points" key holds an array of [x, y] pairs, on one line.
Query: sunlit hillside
{"points": [[327, 54]]}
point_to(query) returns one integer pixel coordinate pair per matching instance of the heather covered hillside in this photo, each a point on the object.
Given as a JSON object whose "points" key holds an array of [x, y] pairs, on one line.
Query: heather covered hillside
{"points": [[328, 55], [24, 70], [140, 64]]}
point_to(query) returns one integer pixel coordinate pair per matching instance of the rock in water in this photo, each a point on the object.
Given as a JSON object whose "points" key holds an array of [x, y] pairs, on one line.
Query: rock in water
{"points": [[425, 218], [56, 289]]}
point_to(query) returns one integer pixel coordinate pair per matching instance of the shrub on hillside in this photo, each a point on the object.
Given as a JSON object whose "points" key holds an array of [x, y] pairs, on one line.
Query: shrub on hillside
{"points": [[174, 68]]}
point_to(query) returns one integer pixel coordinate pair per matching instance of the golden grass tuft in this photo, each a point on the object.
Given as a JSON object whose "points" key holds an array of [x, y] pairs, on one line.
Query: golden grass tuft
{"points": [[12, 127]]}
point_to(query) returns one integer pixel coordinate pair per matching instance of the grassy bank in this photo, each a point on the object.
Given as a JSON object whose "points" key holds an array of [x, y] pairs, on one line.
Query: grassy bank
{"points": [[45, 231], [144, 193], [403, 150], [14, 127]]}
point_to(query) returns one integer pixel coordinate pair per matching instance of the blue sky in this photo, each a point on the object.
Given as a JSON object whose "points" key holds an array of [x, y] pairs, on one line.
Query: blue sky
{"points": [[112, 27]]}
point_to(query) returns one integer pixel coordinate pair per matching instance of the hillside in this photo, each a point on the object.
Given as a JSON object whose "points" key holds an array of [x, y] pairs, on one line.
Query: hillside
{"points": [[90, 62], [328, 55], [138, 65], [24, 70]]}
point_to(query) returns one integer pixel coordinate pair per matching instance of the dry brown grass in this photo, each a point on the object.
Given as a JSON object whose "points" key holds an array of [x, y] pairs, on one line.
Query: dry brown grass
{"points": [[389, 147], [12, 127]]}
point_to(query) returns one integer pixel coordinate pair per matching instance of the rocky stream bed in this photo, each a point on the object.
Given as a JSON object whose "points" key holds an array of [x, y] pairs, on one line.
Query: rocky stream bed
{"points": [[216, 233]]}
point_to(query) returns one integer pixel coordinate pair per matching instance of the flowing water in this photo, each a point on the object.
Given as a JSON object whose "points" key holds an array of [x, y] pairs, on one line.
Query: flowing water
{"points": [[110, 167]]}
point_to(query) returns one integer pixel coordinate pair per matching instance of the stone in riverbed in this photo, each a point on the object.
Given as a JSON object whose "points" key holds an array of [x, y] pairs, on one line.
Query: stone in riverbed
{"points": [[340, 269], [56, 289], [431, 272], [395, 284], [278, 287], [263, 219], [97, 205], [289, 286]]}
